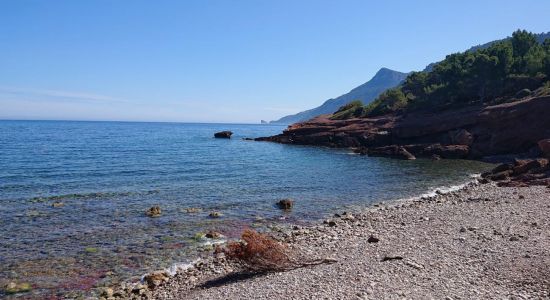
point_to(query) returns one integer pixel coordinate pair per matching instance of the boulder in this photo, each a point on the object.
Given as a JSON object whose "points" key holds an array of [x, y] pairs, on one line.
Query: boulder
{"points": [[544, 146], [534, 165], [285, 204], [223, 134], [461, 137]]}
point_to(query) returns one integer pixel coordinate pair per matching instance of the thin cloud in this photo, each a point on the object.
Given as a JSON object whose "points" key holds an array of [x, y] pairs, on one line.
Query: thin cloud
{"points": [[62, 95]]}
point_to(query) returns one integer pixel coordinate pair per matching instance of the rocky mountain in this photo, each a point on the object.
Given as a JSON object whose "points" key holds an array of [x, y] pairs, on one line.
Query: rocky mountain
{"points": [[383, 80]]}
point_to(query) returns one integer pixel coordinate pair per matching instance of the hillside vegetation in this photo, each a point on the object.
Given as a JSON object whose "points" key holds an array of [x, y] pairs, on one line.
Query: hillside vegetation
{"points": [[507, 70], [365, 93]]}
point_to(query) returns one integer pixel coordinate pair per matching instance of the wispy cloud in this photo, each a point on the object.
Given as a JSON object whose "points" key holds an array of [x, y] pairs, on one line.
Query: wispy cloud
{"points": [[56, 94]]}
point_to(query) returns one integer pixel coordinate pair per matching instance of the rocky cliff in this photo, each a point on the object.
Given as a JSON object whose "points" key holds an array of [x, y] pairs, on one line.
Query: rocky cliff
{"points": [[469, 132]]}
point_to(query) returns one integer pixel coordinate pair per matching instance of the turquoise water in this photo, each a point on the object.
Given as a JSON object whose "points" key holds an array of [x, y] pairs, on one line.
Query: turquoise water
{"points": [[107, 174]]}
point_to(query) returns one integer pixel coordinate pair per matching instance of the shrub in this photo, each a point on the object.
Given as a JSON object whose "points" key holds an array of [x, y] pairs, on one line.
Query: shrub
{"points": [[259, 252], [523, 93], [391, 100], [353, 109]]}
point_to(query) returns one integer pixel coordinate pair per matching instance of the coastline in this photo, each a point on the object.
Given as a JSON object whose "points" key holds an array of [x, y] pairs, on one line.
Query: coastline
{"points": [[480, 241]]}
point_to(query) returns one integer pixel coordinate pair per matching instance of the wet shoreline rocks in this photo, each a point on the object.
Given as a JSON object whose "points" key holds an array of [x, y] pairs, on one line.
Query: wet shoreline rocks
{"points": [[521, 173]]}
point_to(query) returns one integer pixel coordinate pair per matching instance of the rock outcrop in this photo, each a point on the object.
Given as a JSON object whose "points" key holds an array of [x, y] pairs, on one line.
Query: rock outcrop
{"points": [[521, 173], [223, 134], [469, 132]]}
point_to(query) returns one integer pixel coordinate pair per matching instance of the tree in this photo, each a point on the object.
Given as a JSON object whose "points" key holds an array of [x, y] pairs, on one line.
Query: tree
{"points": [[522, 41]]}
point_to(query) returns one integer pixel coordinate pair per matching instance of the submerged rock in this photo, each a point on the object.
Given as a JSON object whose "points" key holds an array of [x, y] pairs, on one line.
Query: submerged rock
{"points": [[223, 134], [16, 288], [153, 212], [58, 204], [215, 214], [91, 250], [285, 204]]}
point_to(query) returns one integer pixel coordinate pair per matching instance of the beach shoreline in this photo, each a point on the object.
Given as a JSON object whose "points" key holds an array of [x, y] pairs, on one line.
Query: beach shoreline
{"points": [[481, 241]]}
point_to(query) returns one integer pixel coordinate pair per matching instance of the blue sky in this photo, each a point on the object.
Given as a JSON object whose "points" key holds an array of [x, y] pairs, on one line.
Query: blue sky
{"points": [[225, 61]]}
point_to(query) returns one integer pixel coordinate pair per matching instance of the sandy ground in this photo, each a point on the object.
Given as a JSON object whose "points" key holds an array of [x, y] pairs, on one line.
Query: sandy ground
{"points": [[482, 242]]}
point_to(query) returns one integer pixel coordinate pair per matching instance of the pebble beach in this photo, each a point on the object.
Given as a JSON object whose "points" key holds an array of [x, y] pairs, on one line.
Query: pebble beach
{"points": [[479, 242]]}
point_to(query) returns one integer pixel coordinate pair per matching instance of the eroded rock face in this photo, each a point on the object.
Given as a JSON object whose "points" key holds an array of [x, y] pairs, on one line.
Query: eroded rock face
{"points": [[470, 132]]}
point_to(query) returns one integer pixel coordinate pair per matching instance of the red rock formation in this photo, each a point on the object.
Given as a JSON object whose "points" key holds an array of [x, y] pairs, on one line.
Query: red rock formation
{"points": [[471, 132]]}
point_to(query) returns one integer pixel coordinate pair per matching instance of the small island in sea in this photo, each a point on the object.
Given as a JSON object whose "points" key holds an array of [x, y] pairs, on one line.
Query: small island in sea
{"points": [[431, 184]]}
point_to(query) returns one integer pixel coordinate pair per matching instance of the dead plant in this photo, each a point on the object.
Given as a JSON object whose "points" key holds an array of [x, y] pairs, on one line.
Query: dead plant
{"points": [[259, 252]]}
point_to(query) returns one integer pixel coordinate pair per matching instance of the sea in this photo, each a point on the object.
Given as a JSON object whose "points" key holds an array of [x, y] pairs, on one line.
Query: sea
{"points": [[74, 195]]}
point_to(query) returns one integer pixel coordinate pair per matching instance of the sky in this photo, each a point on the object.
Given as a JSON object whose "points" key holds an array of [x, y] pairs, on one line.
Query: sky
{"points": [[233, 61]]}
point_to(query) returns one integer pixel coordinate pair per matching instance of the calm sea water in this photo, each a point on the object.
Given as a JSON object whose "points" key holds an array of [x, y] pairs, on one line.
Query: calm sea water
{"points": [[106, 174]]}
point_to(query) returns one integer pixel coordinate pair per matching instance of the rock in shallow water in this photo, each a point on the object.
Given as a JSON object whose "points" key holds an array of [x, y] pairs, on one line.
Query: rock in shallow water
{"points": [[16, 288], [223, 134], [285, 204], [153, 212], [215, 214]]}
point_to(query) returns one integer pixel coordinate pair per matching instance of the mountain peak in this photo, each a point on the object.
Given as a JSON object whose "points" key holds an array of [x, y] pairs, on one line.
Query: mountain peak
{"points": [[383, 79]]}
